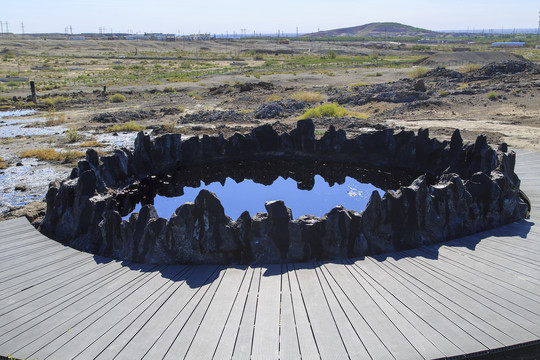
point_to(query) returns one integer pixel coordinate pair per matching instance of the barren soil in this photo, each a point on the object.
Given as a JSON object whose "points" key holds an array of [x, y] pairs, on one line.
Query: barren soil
{"points": [[512, 115]]}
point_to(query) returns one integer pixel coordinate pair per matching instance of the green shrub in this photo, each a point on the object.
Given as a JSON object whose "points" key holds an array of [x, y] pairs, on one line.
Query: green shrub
{"points": [[117, 98], [53, 101], [327, 110], [73, 136], [492, 96], [443, 92]]}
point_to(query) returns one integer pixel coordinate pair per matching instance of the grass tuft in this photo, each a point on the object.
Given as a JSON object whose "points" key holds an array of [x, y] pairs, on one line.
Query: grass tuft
{"points": [[91, 144], [129, 126], [418, 72], [468, 68], [73, 136], [327, 110], [51, 102], [53, 155], [3, 163], [307, 96], [492, 96], [117, 98], [274, 97]]}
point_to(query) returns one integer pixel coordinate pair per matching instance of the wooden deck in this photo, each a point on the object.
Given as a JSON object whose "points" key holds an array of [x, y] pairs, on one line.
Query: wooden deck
{"points": [[469, 295]]}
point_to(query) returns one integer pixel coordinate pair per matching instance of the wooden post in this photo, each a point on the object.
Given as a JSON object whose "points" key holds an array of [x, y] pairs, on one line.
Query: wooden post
{"points": [[33, 90]]}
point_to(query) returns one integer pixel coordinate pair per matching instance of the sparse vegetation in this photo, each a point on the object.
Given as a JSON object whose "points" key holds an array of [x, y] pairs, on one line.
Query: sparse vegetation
{"points": [[274, 97], [91, 144], [443, 92], [327, 110], [418, 72], [3, 163], [53, 155], [129, 126], [462, 86], [468, 68], [358, 84], [492, 96], [54, 119], [117, 98], [195, 95], [307, 96], [53, 101], [73, 136], [170, 127]]}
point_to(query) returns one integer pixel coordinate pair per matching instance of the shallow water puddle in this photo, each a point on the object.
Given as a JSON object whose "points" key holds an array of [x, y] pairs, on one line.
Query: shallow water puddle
{"points": [[20, 185], [251, 196], [19, 127]]}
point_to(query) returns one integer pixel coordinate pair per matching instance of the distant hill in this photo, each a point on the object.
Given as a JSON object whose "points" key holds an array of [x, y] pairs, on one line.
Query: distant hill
{"points": [[376, 30]]}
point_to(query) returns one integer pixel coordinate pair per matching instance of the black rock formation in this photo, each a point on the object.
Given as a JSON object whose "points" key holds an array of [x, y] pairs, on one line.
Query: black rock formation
{"points": [[465, 188]]}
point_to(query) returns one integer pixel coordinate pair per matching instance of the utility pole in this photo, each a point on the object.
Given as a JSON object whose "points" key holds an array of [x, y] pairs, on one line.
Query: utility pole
{"points": [[22, 27]]}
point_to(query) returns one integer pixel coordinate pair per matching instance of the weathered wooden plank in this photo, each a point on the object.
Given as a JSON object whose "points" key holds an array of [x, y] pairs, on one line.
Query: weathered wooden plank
{"points": [[343, 283], [484, 272], [51, 292], [325, 330], [421, 302], [86, 326], [289, 348], [34, 263], [118, 331], [481, 318], [306, 340], [56, 316], [513, 297], [244, 337], [353, 344], [187, 333], [227, 341], [418, 336], [208, 334], [154, 337], [266, 327], [52, 272]]}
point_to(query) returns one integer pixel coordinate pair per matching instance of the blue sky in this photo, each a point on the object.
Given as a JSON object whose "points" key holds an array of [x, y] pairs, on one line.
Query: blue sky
{"points": [[218, 16]]}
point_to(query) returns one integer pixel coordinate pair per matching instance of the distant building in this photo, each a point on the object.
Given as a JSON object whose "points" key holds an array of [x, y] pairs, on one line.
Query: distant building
{"points": [[77, 38], [136, 37], [152, 36], [193, 37], [508, 44]]}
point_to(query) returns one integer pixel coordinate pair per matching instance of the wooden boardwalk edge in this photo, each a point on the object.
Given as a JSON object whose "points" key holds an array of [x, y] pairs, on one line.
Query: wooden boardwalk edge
{"points": [[474, 296]]}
